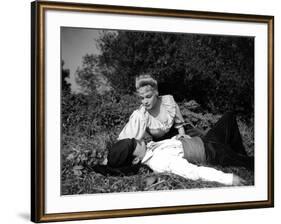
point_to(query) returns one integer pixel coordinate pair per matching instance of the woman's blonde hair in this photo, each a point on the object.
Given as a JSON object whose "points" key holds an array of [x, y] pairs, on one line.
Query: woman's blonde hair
{"points": [[146, 80]]}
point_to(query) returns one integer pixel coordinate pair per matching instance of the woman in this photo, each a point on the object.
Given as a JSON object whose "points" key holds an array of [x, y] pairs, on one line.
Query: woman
{"points": [[158, 116]]}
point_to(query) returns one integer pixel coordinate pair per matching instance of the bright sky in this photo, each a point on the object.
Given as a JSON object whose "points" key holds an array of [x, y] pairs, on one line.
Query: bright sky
{"points": [[76, 43]]}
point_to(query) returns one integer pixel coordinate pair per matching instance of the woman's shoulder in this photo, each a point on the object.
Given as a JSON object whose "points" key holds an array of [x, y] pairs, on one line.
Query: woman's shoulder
{"points": [[139, 113], [168, 100]]}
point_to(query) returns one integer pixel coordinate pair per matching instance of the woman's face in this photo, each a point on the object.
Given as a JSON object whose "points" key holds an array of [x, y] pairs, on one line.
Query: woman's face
{"points": [[148, 96]]}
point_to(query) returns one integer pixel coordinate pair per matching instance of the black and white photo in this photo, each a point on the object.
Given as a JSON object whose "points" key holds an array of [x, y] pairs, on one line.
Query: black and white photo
{"points": [[165, 92]]}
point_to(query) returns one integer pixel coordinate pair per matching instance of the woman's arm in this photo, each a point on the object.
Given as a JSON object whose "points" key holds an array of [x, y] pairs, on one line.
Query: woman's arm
{"points": [[179, 122], [136, 126]]}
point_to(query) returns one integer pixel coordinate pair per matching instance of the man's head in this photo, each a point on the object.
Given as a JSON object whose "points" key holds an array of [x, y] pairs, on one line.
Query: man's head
{"points": [[139, 151], [126, 152]]}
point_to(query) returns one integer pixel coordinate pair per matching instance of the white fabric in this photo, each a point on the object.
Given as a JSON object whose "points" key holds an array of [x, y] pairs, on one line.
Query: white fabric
{"points": [[141, 120], [167, 156], [136, 127]]}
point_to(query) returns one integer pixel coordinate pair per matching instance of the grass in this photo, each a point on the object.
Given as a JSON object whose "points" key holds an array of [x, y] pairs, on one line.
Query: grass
{"points": [[79, 153], [92, 182]]}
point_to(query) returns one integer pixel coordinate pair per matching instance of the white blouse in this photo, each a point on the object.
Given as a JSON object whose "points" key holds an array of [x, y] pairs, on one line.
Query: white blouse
{"points": [[167, 156], [141, 121]]}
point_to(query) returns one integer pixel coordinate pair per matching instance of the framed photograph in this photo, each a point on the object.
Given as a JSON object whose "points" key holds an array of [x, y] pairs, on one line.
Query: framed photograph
{"points": [[145, 111]]}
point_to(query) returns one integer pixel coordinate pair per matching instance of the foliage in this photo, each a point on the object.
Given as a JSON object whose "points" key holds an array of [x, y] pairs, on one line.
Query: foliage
{"points": [[65, 75], [90, 125], [207, 75], [216, 71], [86, 115]]}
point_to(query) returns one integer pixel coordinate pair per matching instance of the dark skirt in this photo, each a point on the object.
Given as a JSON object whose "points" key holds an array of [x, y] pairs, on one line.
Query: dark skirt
{"points": [[223, 144]]}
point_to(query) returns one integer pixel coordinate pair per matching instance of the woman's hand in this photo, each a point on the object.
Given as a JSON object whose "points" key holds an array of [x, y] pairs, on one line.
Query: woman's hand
{"points": [[182, 136]]}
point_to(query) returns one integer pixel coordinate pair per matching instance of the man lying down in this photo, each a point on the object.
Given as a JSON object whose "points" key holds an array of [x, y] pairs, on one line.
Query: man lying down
{"points": [[165, 156], [187, 156]]}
